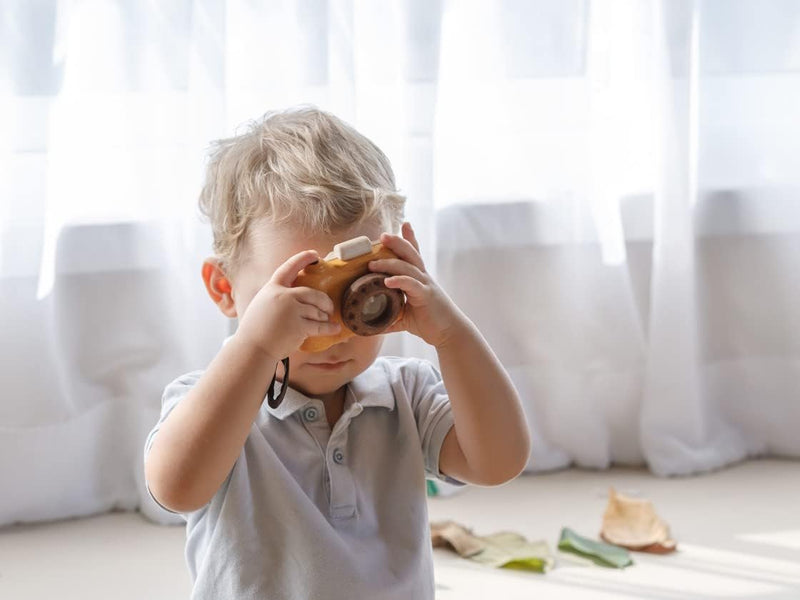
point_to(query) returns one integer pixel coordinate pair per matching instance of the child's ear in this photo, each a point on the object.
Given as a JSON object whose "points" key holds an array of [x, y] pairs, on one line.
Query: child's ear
{"points": [[218, 286]]}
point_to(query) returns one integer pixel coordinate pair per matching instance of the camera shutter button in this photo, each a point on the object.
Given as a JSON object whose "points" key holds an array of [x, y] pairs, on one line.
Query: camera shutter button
{"points": [[352, 248]]}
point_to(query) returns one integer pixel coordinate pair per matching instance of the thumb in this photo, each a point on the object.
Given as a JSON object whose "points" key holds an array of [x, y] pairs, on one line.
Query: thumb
{"points": [[287, 272]]}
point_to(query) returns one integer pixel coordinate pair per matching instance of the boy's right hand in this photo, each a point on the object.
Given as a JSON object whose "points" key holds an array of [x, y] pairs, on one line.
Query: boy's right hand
{"points": [[280, 317]]}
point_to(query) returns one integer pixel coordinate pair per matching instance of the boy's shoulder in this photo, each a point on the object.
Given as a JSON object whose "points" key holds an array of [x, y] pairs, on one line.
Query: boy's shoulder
{"points": [[180, 385], [186, 380]]}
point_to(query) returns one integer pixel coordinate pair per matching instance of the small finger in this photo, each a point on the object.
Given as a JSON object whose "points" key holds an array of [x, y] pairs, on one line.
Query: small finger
{"points": [[403, 249], [316, 328], [307, 311], [286, 273], [308, 295], [412, 287], [395, 266], [408, 233]]}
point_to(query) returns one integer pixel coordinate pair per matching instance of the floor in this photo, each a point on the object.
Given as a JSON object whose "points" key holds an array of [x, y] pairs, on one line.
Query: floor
{"points": [[738, 532]]}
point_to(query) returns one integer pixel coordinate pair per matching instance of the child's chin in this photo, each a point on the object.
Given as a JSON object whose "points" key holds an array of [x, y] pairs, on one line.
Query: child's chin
{"points": [[316, 389]]}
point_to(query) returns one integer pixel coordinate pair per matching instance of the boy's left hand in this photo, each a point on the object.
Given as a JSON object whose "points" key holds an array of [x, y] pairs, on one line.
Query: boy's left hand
{"points": [[429, 312]]}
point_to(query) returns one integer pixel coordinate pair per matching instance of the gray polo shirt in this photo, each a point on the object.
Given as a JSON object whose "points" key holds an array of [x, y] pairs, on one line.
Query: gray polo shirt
{"points": [[307, 512]]}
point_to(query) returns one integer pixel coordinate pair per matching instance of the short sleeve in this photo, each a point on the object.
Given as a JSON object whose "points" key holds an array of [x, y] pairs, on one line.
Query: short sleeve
{"points": [[173, 394], [434, 416]]}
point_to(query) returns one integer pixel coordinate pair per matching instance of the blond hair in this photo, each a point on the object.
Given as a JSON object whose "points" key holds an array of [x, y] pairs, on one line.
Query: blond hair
{"points": [[303, 167]]}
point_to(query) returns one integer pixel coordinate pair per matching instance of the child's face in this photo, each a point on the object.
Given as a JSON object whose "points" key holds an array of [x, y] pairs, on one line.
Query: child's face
{"points": [[268, 247]]}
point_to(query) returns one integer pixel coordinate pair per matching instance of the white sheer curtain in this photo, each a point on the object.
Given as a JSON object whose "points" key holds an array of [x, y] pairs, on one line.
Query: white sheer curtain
{"points": [[609, 189], [623, 221], [107, 110]]}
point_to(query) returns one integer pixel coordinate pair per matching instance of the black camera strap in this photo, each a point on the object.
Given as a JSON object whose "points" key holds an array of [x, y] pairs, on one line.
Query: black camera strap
{"points": [[271, 399]]}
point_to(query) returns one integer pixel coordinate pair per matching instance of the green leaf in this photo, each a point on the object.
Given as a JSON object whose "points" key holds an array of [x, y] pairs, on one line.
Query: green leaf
{"points": [[605, 555], [432, 489], [527, 564], [510, 550]]}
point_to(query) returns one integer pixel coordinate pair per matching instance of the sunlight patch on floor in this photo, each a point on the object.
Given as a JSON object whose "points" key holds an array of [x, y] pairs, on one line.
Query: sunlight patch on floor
{"points": [[781, 539], [695, 571]]}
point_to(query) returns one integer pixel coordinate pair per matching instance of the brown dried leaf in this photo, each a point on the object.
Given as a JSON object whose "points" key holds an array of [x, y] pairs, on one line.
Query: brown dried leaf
{"points": [[633, 524]]}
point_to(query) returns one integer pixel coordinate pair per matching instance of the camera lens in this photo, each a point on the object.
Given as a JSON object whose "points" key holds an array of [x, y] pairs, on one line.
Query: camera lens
{"points": [[369, 307], [373, 308]]}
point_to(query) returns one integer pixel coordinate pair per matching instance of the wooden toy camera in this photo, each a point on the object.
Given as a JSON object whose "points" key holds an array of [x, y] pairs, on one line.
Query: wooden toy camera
{"points": [[361, 301]]}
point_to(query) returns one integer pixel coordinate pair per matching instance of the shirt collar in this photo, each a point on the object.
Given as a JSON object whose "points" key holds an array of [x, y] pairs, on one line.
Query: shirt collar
{"points": [[370, 388]]}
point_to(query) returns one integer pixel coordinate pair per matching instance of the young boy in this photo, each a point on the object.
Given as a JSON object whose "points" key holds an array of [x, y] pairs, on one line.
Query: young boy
{"points": [[321, 493]]}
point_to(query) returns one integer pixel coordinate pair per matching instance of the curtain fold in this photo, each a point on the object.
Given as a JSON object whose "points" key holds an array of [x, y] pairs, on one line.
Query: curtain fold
{"points": [[608, 189], [680, 432]]}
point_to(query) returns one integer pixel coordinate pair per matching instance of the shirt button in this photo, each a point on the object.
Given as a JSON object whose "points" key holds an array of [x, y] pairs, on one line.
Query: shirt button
{"points": [[338, 456], [310, 414]]}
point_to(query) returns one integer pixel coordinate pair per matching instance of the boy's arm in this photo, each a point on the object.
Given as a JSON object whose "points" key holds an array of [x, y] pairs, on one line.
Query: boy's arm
{"points": [[198, 443], [489, 442]]}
